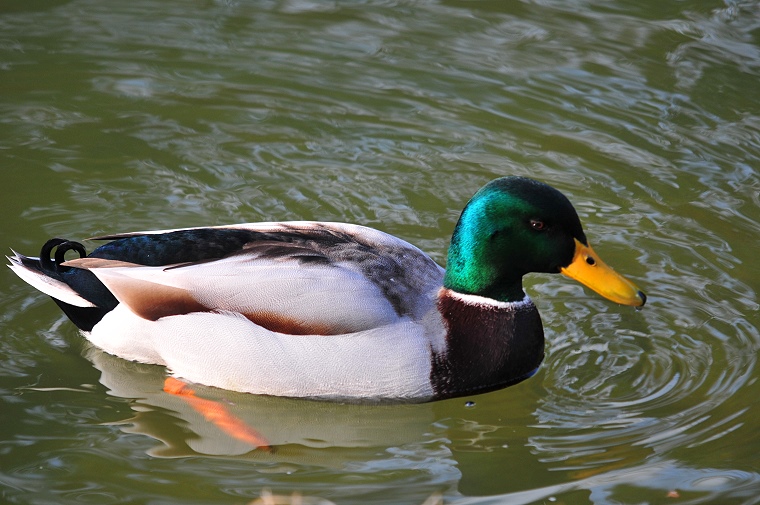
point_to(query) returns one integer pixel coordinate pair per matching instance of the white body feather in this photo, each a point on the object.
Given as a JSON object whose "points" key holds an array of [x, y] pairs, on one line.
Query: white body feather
{"points": [[228, 351]]}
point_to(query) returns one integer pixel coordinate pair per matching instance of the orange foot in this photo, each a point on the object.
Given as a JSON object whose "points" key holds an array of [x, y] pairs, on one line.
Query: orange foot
{"points": [[218, 414]]}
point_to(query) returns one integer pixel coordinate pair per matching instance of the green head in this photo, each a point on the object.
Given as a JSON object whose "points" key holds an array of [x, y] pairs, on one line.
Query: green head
{"points": [[512, 226], [516, 225]]}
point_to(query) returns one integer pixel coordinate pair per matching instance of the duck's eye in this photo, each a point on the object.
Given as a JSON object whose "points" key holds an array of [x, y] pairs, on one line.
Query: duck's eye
{"points": [[537, 224]]}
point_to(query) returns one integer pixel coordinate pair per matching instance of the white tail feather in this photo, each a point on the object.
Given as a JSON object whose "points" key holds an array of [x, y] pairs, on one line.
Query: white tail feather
{"points": [[48, 285]]}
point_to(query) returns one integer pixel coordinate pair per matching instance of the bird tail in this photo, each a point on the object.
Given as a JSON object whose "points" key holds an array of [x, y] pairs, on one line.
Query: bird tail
{"points": [[69, 287]]}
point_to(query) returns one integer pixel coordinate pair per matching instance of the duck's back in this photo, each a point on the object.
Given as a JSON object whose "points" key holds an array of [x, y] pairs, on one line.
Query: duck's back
{"points": [[297, 277]]}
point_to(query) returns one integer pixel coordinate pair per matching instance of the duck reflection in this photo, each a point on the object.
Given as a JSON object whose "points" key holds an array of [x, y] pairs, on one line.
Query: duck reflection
{"points": [[217, 422], [448, 444]]}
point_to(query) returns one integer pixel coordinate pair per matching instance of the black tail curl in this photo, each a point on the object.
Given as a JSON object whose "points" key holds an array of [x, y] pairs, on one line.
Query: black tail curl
{"points": [[84, 282], [61, 246]]}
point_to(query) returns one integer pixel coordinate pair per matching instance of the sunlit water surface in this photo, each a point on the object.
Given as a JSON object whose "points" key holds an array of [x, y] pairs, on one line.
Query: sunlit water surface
{"points": [[119, 116]]}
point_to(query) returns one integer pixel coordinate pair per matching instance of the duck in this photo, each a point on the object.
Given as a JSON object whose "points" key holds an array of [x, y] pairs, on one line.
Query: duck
{"points": [[327, 310]]}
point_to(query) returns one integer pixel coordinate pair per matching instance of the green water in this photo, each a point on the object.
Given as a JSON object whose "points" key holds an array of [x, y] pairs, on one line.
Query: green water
{"points": [[120, 116]]}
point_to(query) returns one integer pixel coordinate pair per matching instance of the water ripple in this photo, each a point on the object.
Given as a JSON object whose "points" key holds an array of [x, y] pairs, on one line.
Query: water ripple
{"points": [[165, 114]]}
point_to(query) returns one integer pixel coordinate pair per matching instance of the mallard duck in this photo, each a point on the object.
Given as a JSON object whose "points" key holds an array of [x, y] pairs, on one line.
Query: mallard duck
{"points": [[331, 310]]}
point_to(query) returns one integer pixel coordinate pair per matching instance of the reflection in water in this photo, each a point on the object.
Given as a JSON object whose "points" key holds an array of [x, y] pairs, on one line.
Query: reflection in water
{"points": [[362, 441], [290, 426], [601, 448]]}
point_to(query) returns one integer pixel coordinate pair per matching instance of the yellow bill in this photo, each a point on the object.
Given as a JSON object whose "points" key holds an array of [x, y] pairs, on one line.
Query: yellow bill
{"points": [[589, 269]]}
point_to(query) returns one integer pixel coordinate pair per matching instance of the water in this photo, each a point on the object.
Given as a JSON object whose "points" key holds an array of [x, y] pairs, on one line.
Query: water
{"points": [[145, 114]]}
